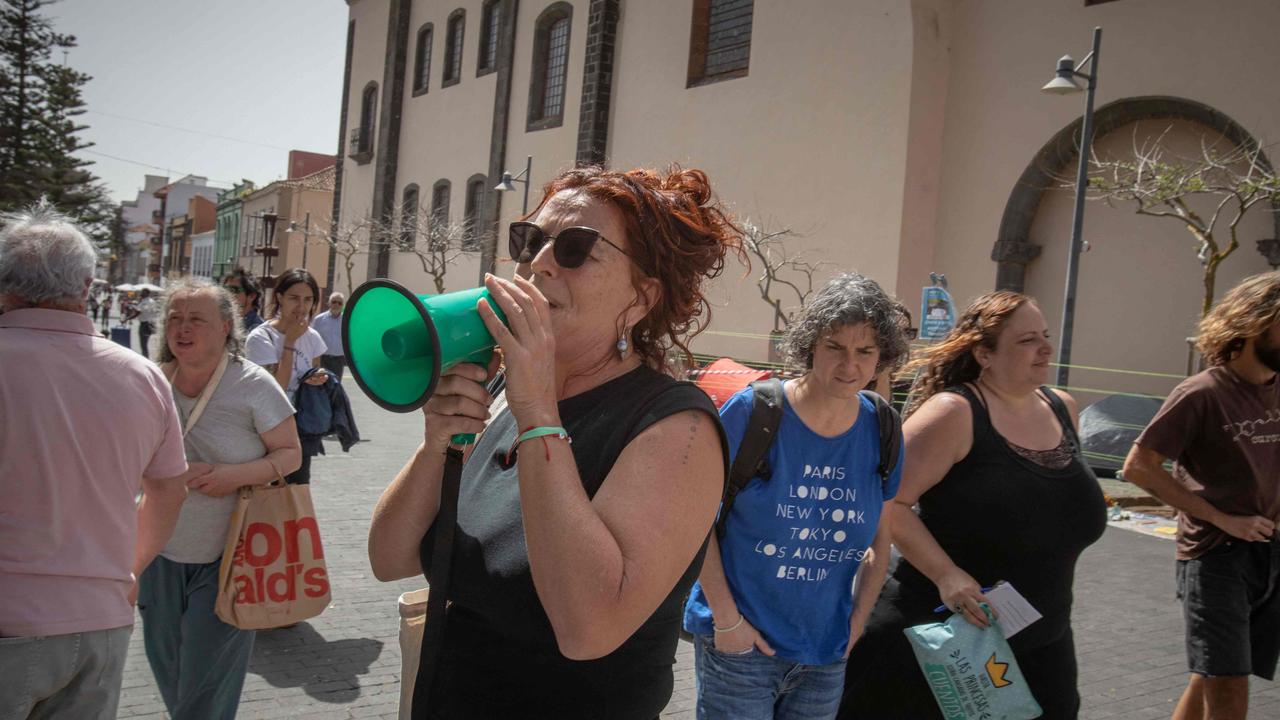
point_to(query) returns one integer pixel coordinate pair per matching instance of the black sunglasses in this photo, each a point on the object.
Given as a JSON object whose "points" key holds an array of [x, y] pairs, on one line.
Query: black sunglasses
{"points": [[572, 246]]}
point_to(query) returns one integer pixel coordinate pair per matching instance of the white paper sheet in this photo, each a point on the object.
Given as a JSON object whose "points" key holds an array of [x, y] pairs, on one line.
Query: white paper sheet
{"points": [[1012, 609]]}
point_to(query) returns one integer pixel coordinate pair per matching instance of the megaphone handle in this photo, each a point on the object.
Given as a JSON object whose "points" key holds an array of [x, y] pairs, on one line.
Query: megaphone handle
{"points": [[493, 387]]}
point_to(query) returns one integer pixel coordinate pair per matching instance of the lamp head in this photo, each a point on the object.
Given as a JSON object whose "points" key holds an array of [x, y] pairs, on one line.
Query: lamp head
{"points": [[507, 184], [1064, 81]]}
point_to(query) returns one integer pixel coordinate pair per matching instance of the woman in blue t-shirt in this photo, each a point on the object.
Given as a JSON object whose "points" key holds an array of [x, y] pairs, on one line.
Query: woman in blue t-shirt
{"points": [[774, 612]]}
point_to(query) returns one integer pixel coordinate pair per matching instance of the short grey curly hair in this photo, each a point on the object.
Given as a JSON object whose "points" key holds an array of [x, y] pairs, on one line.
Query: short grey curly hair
{"points": [[44, 256], [848, 299], [226, 309]]}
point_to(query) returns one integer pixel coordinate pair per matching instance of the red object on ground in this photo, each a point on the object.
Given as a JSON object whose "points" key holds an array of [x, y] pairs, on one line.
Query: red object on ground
{"points": [[725, 376]]}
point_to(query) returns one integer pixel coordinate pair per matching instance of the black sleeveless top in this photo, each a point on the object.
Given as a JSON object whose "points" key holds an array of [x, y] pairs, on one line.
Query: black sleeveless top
{"points": [[499, 658], [1000, 516]]}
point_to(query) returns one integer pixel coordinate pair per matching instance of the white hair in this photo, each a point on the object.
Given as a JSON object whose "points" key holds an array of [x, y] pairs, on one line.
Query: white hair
{"points": [[337, 296], [44, 256]]}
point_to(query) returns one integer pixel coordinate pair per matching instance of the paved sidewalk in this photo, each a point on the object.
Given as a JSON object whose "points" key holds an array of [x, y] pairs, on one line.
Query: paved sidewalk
{"points": [[346, 663]]}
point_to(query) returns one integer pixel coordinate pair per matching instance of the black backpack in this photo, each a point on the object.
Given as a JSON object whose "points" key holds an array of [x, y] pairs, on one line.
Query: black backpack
{"points": [[762, 428]]}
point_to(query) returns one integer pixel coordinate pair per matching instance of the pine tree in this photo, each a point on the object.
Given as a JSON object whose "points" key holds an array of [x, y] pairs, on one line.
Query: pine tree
{"points": [[40, 101]]}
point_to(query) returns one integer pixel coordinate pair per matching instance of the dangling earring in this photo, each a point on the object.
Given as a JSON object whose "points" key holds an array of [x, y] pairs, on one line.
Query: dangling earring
{"points": [[623, 347]]}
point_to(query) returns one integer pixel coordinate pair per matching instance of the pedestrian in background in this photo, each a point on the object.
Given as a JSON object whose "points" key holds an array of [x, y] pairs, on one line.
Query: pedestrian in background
{"points": [[287, 347], [106, 311], [94, 305], [329, 325], [993, 460], [244, 432], [248, 292], [147, 311], [85, 424], [771, 634], [1221, 429]]}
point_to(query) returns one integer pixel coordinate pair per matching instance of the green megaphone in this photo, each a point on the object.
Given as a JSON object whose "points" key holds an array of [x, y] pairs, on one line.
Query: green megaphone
{"points": [[398, 343]]}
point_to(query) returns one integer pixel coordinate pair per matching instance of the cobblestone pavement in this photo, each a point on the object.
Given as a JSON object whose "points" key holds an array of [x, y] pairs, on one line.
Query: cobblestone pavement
{"points": [[346, 662]]}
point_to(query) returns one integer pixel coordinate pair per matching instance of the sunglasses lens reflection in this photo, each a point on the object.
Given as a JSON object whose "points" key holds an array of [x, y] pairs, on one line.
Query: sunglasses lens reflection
{"points": [[525, 242], [573, 246]]}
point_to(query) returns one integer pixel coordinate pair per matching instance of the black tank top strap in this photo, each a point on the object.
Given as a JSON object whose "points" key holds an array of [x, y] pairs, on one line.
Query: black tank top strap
{"points": [[977, 405], [1064, 417]]}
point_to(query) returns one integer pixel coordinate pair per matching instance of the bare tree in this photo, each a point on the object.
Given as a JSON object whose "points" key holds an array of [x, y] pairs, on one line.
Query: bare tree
{"points": [[782, 270], [353, 238], [437, 242], [1162, 184]]}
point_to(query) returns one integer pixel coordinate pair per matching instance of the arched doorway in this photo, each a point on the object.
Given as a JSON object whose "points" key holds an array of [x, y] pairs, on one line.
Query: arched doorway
{"points": [[1141, 284], [1013, 248]]}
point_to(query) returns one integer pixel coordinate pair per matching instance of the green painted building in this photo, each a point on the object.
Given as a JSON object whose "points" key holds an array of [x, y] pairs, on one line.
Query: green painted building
{"points": [[226, 242]]}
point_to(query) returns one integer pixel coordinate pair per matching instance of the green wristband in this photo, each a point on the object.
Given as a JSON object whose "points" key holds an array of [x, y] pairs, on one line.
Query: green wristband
{"points": [[544, 431]]}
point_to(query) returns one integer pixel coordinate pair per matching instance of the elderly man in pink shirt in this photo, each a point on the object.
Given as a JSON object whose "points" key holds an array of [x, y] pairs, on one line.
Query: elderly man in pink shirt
{"points": [[83, 423]]}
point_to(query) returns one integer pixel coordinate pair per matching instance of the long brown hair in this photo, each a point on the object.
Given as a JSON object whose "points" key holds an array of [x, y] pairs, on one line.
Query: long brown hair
{"points": [[1247, 310], [951, 362], [678, 236]]}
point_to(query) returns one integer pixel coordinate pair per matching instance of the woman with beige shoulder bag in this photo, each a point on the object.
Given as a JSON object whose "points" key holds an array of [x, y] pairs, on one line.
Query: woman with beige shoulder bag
{"points": [[238, 431]]}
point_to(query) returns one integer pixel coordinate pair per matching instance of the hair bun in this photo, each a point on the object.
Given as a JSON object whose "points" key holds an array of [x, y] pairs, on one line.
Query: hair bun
{"points": [[693, 183]]}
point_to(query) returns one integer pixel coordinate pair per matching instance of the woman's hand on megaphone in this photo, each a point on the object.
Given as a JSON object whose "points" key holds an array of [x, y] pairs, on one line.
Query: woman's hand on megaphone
{"points": [[459, 406], [528, 347]]}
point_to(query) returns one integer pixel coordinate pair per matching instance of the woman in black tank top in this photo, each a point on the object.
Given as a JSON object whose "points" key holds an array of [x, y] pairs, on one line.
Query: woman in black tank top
{"points": [[993, 462], [578, 522]]}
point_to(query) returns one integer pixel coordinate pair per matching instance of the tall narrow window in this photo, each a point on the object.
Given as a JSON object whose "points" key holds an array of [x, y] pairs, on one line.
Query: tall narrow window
{"points": [[490, 17], [422, 60], [720, 40], [453, 48], [550, 66], [362, 137], [440, 210], [471, 212], [409, 218]]}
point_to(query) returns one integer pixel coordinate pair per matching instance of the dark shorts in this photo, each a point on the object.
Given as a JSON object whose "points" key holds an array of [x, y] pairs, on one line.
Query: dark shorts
{"points": [[1231, 601]]}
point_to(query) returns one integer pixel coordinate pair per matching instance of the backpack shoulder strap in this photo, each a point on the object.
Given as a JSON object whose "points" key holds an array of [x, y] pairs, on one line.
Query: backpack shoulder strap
{"points": [[762, 428], [890, 424]]}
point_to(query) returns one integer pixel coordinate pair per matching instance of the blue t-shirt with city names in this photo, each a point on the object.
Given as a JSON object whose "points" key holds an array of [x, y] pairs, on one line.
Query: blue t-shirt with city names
{"points": [[792, 545]]}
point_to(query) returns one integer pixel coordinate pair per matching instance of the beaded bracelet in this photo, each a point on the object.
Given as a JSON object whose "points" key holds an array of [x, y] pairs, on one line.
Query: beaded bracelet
{"points": [[731, 628]]}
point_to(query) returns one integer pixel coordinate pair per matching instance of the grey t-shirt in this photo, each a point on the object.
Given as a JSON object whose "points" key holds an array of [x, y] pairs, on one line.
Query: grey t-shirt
{"points": [[246, 403]]}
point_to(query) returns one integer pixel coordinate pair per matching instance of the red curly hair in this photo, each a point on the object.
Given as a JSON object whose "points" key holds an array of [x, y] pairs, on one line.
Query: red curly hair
{"points": [[677, 234]]}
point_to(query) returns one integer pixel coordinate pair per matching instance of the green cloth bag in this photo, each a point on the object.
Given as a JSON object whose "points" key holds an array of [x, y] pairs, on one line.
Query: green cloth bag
{"points": [[972, 671]]}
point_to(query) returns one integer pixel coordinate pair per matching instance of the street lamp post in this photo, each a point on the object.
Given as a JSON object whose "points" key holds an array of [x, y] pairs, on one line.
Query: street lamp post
{"points": [[508, 183], [1063, 84], [306, 235]]}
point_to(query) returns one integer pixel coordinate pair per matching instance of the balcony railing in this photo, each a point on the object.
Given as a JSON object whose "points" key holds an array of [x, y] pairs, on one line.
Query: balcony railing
{"points": [[360, 146]]}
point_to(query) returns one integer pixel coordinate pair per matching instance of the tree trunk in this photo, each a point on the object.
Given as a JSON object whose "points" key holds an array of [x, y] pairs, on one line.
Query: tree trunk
{"points": [[1210, 275]]}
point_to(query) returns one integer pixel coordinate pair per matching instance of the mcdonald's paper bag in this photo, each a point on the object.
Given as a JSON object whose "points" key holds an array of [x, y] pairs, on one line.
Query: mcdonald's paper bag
{"points": [[972, 671], [273, 571]]}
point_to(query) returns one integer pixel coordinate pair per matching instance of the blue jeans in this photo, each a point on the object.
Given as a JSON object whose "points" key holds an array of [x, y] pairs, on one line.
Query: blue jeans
{"points": [[198, 660], [755, 686]]}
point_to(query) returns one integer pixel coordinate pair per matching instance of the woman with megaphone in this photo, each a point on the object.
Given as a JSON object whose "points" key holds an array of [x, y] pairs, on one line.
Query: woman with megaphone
{"points": [[584, 509]]}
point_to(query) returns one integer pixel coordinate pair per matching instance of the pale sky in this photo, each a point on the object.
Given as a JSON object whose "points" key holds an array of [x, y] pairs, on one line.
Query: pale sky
{"points": [[252, 78]]}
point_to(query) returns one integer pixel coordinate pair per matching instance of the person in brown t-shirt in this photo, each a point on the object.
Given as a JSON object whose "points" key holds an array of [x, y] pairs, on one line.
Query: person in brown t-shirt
{"points": [[1221, 429]]}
